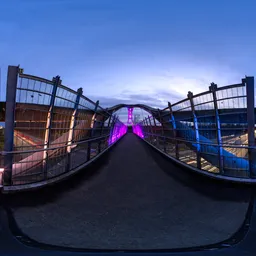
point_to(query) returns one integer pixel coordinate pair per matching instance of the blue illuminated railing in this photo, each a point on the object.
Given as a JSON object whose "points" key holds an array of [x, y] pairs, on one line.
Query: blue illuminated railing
{"points": [[213, 132]]}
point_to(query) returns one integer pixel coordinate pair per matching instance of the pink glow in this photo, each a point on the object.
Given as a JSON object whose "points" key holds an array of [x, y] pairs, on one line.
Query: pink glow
{"points": [[138, 130], [129, 121], [119, 130]]}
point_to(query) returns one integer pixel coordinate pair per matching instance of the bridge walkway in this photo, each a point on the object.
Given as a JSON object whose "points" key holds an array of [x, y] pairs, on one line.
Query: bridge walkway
{"points": [[132, 199]]}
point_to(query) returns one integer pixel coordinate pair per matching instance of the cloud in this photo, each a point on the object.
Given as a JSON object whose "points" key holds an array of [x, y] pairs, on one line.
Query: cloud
{"points": [[158, 99]]}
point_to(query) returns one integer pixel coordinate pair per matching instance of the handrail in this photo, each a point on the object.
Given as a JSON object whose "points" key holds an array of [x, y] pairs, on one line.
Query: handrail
{"points": [[63, 122], [53, 148], [36, 78]]}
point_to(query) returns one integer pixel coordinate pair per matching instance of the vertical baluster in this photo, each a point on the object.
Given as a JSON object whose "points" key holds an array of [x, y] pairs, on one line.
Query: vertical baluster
{"points": [[198, 154], [48, 128], [162, 129], [174, 131], [151, 130], [213, 89], [12, 79], [148, 132], [93, 124], [101, 133], [72, 128], [155, 130]]}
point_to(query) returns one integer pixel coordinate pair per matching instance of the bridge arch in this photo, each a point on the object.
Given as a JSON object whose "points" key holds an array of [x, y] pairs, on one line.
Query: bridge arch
{"points": [[141, 106]]}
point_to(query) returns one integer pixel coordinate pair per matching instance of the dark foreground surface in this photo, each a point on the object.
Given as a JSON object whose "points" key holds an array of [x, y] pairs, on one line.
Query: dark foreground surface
{"points": [[136, 200]]}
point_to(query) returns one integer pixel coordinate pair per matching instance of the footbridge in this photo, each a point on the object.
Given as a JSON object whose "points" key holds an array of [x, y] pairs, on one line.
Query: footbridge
{"points": [[179, 179]]}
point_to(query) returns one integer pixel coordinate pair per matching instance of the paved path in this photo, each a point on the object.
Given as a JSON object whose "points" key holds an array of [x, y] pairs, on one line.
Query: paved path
{"points": [[132, 203]]}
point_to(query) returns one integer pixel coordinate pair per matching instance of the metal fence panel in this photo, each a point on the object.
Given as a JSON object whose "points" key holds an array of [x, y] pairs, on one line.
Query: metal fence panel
{"points": [[54, 127], [211, 130]]}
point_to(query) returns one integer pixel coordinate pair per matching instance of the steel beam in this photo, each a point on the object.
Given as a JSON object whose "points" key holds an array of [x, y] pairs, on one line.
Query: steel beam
{"points": [[213, 88], [157, 138], [47, 137], [109, 121], [151, 129], [111, 124], [72, 128], [147, 124], [101, 133], [249, 82], [107, 128], [198, 155], [12, 79], [174, 129], [92, 130], [161, 122]]}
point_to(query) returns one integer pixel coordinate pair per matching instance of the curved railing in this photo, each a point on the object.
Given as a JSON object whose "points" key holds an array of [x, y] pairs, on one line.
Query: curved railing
{"points": [[51, 130], [212, 132]]}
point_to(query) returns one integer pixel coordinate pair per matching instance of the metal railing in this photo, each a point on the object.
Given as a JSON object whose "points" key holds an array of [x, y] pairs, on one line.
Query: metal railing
{"points": [[213, 131], [51, 129]]}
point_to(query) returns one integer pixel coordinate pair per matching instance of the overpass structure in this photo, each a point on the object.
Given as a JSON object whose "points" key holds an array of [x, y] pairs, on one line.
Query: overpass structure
{"points": [[184, 158], [52, 130]]}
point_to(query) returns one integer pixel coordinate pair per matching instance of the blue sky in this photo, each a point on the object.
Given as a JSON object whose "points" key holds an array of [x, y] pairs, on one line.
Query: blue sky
{"points": [[134, 51]]}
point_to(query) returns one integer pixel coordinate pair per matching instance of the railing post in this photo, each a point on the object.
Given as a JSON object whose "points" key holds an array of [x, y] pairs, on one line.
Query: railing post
{"points": [[92, 131], [109, 121], [144, 129], [12, 79], [151, 129], [56, 82], [161, 122], [111, 125], [174, 129], [198, 155], [101, 133], [249, 82], [154, 120], [213, 89], [72, 127], [156, 135], [108, 129], [147, 124]]}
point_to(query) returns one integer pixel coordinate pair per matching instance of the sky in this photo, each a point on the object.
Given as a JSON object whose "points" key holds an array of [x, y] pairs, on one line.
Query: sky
{"points": [[130, 51]]}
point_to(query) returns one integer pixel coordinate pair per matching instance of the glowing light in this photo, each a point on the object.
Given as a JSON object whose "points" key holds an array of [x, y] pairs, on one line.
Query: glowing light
{"points": [[137, 129], [129, 121], [1, 170], [118, 131]]}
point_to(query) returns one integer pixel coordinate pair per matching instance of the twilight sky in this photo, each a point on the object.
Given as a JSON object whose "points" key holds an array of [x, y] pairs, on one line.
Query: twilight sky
{"points": [[134, 51]]}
